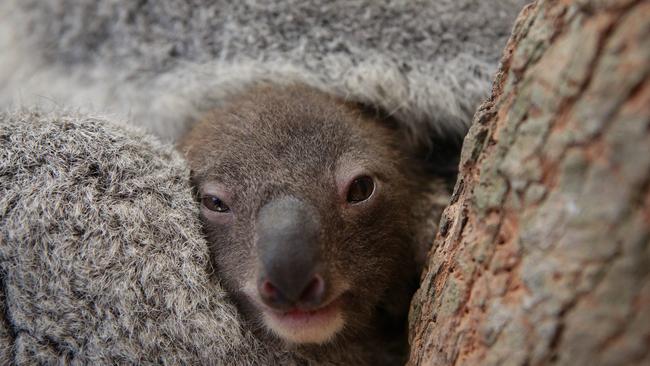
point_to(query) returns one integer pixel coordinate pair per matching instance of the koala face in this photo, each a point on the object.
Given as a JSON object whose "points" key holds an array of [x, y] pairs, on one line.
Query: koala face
{"points": [[308, 205]]}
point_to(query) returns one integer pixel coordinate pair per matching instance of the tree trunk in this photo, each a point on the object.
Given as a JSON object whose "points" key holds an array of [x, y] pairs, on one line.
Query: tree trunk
{"points": [[543, 256]]}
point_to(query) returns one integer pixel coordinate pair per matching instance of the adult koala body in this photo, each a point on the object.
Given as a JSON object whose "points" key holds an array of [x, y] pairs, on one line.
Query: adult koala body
{"points": [[313, 210]]}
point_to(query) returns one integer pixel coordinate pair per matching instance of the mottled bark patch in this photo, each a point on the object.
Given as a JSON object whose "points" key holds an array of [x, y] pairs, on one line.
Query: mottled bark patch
{"points": [[545, 256]]}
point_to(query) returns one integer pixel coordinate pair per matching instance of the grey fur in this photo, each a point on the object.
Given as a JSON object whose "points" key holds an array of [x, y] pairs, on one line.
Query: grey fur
{"points": [[160, 64], [100, 249], [101, 252]]}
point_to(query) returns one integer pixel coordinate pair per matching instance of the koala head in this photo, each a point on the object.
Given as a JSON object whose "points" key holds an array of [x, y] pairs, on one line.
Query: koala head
{"points": [[312, 209]]}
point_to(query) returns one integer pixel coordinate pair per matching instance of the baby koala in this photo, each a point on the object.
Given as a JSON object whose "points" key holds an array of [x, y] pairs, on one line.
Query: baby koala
{"points": [[316, 213]]}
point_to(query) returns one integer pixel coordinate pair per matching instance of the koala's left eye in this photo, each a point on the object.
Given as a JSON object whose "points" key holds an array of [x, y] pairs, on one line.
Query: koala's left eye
{"points": [[214, 203], [360, 189]]}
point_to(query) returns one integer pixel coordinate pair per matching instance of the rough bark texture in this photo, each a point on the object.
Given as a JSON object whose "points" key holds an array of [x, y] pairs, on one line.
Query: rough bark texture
{"points": [[544, 254]]}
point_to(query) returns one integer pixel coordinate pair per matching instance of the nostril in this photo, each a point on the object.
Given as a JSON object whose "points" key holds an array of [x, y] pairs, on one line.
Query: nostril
{"points": [[313, 293], [269, 293]]}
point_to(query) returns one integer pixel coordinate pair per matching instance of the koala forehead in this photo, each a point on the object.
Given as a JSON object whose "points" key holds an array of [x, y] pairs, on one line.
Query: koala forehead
{"points": [[289, 136]]}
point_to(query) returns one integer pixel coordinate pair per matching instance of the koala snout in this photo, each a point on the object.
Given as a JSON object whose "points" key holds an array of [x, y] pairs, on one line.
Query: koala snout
{"points": [[309, 294], [288, 248]]}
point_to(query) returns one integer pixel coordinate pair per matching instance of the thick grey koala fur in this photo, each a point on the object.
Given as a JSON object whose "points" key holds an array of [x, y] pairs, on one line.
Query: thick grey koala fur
{"points": [[162, 63], [101, 253]]}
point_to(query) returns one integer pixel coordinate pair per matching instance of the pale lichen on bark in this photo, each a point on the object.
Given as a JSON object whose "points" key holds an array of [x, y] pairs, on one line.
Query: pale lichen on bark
{"points": [[543, 256]]}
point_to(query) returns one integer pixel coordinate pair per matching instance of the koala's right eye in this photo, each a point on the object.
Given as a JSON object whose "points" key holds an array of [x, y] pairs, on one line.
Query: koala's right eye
{"points": [[214, 203], [361, 189]]}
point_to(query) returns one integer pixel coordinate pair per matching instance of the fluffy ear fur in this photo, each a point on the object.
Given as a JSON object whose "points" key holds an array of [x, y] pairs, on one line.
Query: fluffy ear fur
{"points": [[159, 64]]}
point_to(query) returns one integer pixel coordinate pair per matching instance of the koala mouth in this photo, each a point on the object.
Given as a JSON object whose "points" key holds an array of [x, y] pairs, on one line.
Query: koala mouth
{"points": [[307, 326], [299, 315]]}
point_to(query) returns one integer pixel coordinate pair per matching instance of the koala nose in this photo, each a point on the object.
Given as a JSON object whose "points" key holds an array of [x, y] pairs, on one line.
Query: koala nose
{"points": [[288, 249], [310, 296]]}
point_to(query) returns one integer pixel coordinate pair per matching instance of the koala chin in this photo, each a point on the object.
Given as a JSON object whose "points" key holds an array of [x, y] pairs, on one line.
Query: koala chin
{"points": [[317, 326]]}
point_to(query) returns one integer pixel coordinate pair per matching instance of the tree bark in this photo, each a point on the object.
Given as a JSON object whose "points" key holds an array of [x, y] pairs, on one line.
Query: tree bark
{"points": [[543, 256]]}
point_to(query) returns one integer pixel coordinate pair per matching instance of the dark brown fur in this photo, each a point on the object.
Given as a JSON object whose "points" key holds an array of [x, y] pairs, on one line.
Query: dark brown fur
{"points": [[291, 141]]}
